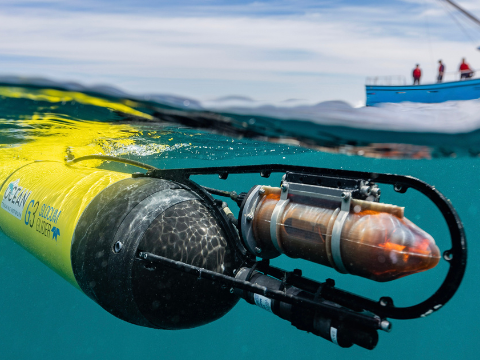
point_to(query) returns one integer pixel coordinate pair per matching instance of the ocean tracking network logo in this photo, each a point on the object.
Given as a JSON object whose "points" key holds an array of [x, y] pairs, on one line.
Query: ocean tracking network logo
{"points": [[15, 198]]}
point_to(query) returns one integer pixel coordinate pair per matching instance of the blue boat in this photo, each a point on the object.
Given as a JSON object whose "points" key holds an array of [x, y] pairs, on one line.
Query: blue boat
{"points": [[387, 92], [429, 93]]}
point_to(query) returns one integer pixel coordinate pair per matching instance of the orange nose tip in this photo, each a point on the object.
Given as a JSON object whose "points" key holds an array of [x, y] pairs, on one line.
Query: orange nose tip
{"points": [[386, 247]]}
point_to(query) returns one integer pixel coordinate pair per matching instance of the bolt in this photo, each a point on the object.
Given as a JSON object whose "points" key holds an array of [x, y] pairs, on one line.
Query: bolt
{"points": [[118, 247], [231, 290], [386, 301], [249, 217], [234, 271], [258, 250], [261, 191], [365, 190], [346, 196], [376, 191], [398, 188], [386, 325], [447, 255], [284, 187]]}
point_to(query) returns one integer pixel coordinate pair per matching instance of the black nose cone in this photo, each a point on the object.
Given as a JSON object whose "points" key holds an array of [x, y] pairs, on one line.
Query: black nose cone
{"points": [[163, 218]]}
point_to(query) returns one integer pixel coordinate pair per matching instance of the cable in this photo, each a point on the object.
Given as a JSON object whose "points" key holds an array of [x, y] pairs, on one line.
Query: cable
{"points": [[459, 24], [464, 12], [428, 37], [111, 158], [229, 194]]}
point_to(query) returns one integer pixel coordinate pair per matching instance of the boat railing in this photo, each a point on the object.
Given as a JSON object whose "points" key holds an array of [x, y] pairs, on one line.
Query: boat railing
{"points": [[386, 80], [457, 75], [399, 80]]}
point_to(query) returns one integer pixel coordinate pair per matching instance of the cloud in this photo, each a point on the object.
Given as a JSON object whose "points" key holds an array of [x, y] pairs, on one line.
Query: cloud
{"points": [[316, 52]]}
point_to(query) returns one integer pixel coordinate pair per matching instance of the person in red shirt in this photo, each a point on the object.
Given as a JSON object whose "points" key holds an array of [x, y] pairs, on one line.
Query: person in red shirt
{"points": [[417, 74], [465, 71], [441, 70]]}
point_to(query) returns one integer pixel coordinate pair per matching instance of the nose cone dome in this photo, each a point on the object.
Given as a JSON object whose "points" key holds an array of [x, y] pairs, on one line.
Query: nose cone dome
{"points": [[383, 247]]}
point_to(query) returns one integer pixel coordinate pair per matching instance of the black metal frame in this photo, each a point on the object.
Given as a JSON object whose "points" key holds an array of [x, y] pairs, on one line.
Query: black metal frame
{"points": [[456, 256]]}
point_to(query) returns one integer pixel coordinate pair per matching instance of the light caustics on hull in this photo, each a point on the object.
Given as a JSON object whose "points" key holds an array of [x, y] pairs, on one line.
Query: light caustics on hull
{"points": [[89, 224]]}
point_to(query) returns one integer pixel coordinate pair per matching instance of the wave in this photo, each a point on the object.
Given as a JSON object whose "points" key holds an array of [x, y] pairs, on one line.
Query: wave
{"points": [[403, 130]]}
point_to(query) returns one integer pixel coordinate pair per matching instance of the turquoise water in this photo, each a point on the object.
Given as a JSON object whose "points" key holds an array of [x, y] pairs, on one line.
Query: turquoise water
{"points": [[42, 316]]}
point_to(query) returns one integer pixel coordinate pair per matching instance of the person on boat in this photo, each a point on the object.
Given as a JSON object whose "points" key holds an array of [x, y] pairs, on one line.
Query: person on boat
{"points": [[417, 74], [465, 71], [441, 70]]}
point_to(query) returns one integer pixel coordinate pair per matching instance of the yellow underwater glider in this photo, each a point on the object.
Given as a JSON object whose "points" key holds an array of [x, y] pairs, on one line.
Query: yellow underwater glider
{"points": [[159, 250]]}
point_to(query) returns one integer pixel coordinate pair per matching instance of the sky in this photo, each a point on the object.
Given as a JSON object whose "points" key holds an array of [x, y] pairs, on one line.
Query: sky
{"points": [[273, 51]]}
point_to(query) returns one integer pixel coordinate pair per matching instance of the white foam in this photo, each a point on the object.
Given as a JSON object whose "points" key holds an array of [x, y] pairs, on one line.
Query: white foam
{"points": [[450, 117]]}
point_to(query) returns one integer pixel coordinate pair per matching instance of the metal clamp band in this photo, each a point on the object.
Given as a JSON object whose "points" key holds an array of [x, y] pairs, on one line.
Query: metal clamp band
{"points": [[335, 241], [274, 226], [247, 217], [337, 232]]}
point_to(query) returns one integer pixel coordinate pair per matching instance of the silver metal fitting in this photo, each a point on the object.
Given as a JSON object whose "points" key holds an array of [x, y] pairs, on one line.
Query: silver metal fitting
{"points": [[258, 250], [375, 191], [118, 247], [365, 190], [386, 325]]}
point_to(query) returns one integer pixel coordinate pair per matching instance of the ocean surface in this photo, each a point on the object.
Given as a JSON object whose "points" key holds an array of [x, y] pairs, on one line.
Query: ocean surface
{"points": [[44, 317]]}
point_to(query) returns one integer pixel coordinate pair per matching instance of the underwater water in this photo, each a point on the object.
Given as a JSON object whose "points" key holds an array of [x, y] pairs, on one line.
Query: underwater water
{"points": [[43, 316]]}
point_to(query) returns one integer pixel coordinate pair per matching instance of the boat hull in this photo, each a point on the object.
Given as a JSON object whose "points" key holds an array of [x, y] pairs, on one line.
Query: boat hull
{"points": [[430, 93]]}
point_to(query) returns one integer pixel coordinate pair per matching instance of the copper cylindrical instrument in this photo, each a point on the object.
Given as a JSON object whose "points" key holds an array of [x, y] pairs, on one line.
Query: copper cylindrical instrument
{"points": [[376, 241]]}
